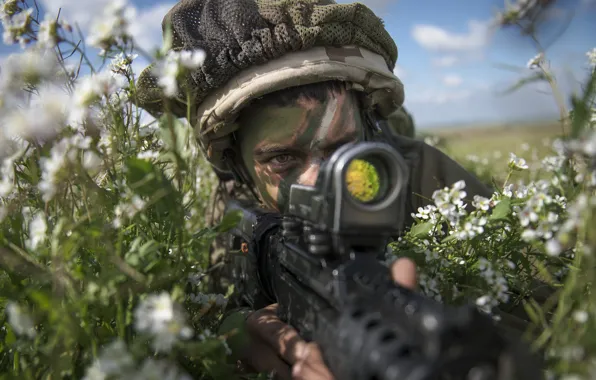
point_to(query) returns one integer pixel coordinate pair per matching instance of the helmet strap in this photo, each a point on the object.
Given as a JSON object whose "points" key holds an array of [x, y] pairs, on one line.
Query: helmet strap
{"points": [[241, 175]]}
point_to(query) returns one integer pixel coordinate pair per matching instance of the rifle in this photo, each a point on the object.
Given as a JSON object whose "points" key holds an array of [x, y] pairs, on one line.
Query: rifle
{"points": [[320, 262]]}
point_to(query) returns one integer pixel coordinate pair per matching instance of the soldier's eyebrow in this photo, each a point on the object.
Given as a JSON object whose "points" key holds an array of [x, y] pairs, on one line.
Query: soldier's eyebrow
{"points": [[272, 148], [332, 145], [278, 148]]}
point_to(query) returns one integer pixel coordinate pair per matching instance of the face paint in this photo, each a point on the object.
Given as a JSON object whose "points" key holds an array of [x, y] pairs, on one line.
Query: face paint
{"points": [[285, 145]]}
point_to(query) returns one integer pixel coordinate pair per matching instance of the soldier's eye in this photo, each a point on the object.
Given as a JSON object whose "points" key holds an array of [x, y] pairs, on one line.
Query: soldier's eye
{"points": [[281, 159], [283, 162]]}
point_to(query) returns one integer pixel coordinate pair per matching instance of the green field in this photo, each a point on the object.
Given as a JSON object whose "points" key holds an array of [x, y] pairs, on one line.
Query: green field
{"points": [[484, 141], [484, 149]]}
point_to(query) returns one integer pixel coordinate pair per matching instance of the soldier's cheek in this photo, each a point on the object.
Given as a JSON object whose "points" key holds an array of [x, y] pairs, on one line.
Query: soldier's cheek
{"points": [[268, 185], [273, 191]]}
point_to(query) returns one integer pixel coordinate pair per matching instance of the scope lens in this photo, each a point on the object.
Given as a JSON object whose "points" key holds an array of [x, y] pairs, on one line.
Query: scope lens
{"points": [[363, 180]]}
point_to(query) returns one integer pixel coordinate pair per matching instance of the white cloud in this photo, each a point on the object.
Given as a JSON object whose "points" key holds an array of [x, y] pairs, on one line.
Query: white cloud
{"points": [[147, 29], [435, 38], [437, 97], [484, 102], [452, 80], [399, 72], [445, 61], [76, 11]]}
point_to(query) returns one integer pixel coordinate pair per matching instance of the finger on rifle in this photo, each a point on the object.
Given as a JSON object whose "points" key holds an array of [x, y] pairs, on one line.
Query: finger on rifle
{"points": [[281, 337], [260, 357], [403, 272], [311, 366]]}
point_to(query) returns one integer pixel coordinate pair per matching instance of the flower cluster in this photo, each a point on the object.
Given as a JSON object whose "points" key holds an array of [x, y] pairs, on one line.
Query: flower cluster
{"points": [[175, 63], [160, 317], [113, 27]]}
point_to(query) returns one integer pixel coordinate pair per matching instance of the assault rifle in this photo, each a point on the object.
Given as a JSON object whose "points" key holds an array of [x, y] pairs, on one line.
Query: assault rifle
{"points": [[320, 262]]}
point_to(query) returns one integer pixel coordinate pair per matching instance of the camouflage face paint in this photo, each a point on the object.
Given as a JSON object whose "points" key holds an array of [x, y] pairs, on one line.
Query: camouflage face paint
{"points": [[285, 145]]}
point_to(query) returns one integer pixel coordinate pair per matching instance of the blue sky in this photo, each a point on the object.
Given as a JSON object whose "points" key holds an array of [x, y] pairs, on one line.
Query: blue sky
{"points": [[454, 68]]}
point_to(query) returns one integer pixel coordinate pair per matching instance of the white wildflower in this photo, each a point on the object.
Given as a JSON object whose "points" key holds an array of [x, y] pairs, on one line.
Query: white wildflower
{"points": [[191, 59], [50, 169], [592, 57], [37, 231], [19, 320], [7, 177], [148, 155], [8, 8], [471, 228], [529, 235], [47, 116], [91, 89], [168, 69], [114, 359], [47, 36], [536, 61], [160, 317], [484, 303], [91, 161], [507, 191], [589, 145], [553, 163], [527, 215], [113, 26], [28, 68], [521, 192], [481, 203], [425, 213], [553, 247], [121, 64], [167, 73], [159, 370], [128, 209], [580, 316], [517, 163], [16, 27]]}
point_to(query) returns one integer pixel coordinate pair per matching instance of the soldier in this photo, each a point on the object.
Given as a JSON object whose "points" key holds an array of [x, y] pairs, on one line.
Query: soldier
{"points": [[284, 84]]}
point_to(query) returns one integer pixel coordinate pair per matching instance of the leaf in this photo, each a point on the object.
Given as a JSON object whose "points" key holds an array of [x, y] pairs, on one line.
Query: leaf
{"points": [[582, 107], [502, 210], [175, 135], [138, 170], [421, 229], [229, 221], [149, 247], [148, 181], [448, 239], [10, 336], [41, 299], [532, 313]]}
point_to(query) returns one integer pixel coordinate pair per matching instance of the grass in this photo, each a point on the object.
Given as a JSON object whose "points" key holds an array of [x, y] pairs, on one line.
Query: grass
{"points": [[484, 141]]}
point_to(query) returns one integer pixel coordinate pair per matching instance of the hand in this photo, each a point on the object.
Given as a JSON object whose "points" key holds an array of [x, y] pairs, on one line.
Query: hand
{"points": [[276, 346]]}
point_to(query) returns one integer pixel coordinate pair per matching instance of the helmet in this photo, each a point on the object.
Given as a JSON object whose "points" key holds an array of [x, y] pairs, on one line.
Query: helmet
{"points": [[256, 47]]}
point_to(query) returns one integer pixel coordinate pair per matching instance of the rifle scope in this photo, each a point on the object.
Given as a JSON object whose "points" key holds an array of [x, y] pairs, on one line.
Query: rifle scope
{"points": [[357, 197]]}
